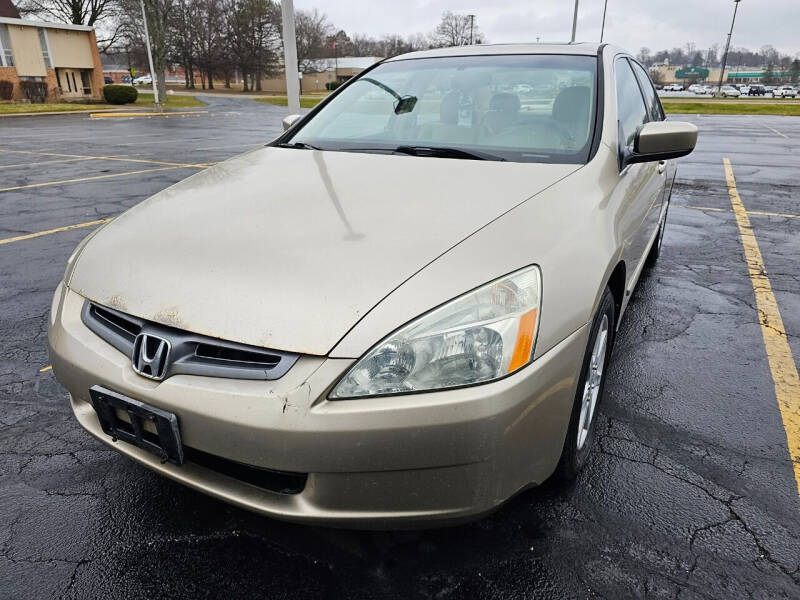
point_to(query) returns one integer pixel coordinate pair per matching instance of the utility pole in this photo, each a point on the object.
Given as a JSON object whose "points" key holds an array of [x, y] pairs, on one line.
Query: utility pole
{"points": [[727, 45], [574, 22], [290, 58], [471, 28], [603, 28], [153, 79]]}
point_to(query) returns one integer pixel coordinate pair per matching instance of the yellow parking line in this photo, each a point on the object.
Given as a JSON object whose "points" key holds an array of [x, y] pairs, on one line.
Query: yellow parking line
{"points": [[46, 369], [233, 146], [757, 213], [80, 179], [29, 236], [762, 213], [117, 158], [703, 208], [779, 354]]}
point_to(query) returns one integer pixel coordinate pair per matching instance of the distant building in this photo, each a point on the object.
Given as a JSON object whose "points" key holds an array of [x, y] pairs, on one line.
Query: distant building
{"points": [[320, 72], [63, 57], [667, 74]]}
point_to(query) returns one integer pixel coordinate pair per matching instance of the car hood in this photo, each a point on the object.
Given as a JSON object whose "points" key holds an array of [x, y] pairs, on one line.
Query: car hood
{"points": [[289, 249]]}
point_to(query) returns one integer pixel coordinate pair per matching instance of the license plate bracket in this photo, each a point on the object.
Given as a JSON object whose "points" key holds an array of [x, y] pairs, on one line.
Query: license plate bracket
{"points": [[161, 437]]}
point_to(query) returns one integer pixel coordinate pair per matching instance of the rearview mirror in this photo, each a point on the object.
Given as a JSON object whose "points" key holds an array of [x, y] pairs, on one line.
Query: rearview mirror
{"points": [[290, 120], [661, 140]]}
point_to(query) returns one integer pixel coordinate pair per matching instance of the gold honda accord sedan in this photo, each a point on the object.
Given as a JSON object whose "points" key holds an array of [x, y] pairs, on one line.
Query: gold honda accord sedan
{"points": [[401, 311]]}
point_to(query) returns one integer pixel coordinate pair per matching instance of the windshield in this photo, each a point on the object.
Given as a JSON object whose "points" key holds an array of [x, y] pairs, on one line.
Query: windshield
{"points": [[523, 108]]}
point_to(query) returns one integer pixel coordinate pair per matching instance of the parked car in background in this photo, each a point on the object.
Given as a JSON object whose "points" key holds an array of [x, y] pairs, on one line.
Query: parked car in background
{"points": [[143, 80], [769, 89], [696, 88], [728, 91], [107, 80], [756, 90], [673, 87], [376, 366], [744, 90], [784, 91]]}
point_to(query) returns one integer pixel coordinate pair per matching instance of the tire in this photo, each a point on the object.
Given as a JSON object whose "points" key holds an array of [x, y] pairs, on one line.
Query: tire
{"points": [[589, 394], [655, 249]]}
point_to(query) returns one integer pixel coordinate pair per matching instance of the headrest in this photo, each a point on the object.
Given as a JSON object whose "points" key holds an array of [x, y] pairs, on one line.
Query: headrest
{"points": [[572, 104], [505, 102], [448, 109]]}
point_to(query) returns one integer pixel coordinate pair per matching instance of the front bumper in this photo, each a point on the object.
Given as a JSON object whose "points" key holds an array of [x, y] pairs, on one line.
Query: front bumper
{"points": [[380, 462]]}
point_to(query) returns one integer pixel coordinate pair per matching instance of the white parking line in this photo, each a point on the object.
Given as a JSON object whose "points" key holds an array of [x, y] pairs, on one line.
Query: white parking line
{"points": [[775, 131]]}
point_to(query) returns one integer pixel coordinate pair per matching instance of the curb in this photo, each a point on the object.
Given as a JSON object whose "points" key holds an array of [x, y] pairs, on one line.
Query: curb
{"points": [[107, 115]]}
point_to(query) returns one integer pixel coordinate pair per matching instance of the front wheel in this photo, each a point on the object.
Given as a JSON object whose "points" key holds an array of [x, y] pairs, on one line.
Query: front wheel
{"points": [[580, 433]]}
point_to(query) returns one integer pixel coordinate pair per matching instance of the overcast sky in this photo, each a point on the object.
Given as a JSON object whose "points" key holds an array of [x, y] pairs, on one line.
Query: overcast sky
{"points": [[657, 24]]}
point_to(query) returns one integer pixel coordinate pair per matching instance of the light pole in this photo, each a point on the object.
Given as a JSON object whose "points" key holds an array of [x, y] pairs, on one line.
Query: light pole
{"points": [[727, 45], [156, 99], [574, 22], [603, 28], [290, 58]]}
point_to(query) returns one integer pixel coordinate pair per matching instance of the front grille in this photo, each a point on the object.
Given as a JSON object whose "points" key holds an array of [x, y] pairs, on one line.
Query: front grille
{"points": [[190, 353], [280, 482]]}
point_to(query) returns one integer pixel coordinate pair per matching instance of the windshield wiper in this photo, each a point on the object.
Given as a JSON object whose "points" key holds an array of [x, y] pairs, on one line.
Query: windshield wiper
{"points": [[440, 152], [298, 145]]}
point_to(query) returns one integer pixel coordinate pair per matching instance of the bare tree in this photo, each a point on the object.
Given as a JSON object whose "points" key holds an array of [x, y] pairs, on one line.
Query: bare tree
{"points": [[184, 16], [77, 12], [312, 30], [456, 30], [208, 32], [159, 14]]}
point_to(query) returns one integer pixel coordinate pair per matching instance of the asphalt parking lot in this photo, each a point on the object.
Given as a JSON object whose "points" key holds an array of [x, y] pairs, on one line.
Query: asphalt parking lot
{"points": [[690, 494]]}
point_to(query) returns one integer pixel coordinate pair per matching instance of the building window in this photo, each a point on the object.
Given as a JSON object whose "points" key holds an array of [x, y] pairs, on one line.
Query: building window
{"points": [[6, 56], [45, 48]]}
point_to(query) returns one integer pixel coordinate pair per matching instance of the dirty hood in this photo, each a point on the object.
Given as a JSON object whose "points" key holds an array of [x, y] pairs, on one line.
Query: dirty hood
{"points": [[288, 249]]}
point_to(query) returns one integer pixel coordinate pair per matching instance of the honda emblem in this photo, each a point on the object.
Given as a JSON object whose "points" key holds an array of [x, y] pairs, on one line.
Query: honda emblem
{"points": [[150, 356]]}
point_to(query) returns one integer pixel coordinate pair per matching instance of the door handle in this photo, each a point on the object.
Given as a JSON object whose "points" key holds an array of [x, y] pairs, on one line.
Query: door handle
{"points": [[662, 166]]}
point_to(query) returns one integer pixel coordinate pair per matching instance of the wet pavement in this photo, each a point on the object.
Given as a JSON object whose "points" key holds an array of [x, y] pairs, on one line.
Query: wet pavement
{"points": [[690, 493]]}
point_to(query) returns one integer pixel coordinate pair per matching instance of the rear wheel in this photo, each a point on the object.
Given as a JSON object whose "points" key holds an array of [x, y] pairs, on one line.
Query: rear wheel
{"points": [[580, 434]]}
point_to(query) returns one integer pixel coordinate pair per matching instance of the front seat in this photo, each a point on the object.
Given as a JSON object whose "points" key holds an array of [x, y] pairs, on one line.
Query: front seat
{"points": [[503, 112], [571, 112], [447, 130]]}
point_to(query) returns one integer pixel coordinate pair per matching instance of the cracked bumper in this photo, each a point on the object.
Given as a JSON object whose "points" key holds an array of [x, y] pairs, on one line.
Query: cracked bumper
{"points": [[378, 462]]}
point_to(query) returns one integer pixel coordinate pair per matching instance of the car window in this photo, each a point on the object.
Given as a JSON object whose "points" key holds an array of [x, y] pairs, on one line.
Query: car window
{"points": [[523, 108], [631, 110], [651, 98]]}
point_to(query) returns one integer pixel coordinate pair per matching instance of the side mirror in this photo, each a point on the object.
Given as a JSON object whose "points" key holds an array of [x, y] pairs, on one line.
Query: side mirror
{"points": [[290, 120], [661, 140]]}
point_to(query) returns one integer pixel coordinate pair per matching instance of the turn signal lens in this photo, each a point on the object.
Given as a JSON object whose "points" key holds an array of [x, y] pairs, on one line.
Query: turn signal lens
{"points": [[478, 337]]}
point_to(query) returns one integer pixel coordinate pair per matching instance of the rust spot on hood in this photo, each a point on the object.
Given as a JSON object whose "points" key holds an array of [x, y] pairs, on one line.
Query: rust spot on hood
{"points": [[118, 302], [171, 317]]}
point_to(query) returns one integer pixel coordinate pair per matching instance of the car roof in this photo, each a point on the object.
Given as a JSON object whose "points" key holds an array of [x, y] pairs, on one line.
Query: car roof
{"points": [[577, 48]]}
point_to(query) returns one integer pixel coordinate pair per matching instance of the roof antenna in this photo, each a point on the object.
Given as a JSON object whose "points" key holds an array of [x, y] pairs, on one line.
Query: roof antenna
{"points": [[603, 28]]}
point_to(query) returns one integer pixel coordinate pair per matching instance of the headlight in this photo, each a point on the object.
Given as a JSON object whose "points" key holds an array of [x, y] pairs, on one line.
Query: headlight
{"points": [[480, 336]]}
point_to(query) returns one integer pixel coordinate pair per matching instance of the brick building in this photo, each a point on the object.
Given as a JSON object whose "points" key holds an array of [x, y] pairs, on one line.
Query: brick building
{"points": [[63, 57]]}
